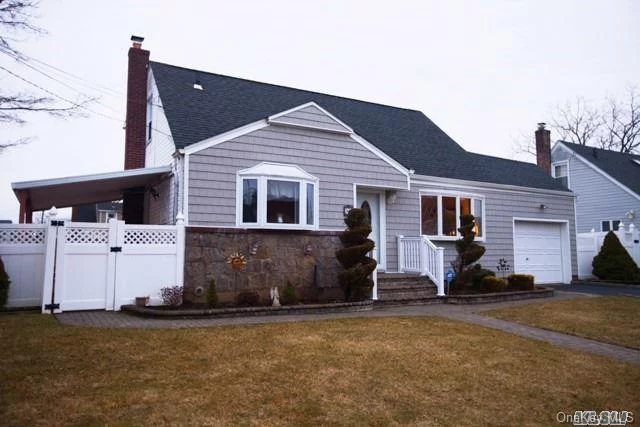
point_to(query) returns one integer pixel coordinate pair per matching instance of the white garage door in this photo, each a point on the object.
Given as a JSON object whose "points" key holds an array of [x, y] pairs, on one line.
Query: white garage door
{"points": [[538, 250]]}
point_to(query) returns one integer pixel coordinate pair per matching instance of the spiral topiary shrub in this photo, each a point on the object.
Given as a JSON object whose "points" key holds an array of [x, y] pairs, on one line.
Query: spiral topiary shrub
{"points": [[613, 262], [355, 280], [468, 253], [4, 285]]}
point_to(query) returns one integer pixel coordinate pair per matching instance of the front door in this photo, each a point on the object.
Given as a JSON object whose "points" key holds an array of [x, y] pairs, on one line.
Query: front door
{"points": [[370, 204]]}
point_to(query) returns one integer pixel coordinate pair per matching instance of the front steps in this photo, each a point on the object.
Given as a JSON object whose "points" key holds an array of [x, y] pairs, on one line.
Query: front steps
{"points": [[406, 289]]}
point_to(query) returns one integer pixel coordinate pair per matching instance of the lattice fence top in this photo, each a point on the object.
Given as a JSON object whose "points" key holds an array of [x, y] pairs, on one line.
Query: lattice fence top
{"points": [[149, 237], [17, 236], [81, 235]]}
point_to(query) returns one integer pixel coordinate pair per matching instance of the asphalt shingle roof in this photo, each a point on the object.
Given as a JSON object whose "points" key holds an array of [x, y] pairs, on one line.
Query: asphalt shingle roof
{"points": [[620, 166], [408, 136]]}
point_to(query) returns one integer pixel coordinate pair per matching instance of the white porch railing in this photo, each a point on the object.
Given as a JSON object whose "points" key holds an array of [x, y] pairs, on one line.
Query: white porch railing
{"points": [[420, 255]]}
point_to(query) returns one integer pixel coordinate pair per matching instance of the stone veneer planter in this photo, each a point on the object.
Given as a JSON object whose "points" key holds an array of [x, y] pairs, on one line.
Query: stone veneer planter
{"points": [[341, 307], [499, 296]]}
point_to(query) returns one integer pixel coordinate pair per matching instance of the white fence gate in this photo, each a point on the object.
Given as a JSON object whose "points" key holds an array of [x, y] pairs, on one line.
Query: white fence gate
{"points": [[84, 266], [22, 249], [589, 245]]}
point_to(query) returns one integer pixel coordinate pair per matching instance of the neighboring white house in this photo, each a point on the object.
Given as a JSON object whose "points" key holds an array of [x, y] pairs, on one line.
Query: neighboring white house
{"points": [[606, 184]]}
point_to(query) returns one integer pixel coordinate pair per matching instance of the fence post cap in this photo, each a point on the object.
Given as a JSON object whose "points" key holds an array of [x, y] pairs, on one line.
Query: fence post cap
{"points": [[180, 218], [53, 212]]}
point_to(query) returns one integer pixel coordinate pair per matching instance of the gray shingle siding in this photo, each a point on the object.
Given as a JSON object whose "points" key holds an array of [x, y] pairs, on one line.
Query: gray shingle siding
{"points": [[337, 161], [501, 207], [311, 116], [597, 197]]}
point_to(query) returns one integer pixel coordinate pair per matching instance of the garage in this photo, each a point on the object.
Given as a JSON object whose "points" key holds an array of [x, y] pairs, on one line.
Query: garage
{"points": [[541, 248]]}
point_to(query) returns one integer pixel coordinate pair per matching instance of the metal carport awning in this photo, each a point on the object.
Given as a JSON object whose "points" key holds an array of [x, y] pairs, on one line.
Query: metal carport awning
{"points": [[77, 190]]}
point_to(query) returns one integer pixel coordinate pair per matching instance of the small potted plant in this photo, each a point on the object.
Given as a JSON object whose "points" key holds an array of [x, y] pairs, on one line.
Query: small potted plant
{"points": [[142, 301]]}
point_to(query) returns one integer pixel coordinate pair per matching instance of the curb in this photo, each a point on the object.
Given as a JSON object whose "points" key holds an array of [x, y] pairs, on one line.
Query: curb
{"points": [[343, 307]]}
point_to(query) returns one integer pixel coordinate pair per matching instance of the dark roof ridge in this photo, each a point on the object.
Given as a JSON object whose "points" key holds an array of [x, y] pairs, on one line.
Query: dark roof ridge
{"points": [[286, 87], [597, 148]]}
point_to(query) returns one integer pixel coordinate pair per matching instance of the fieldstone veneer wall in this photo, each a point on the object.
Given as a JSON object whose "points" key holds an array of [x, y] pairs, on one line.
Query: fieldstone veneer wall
{"points": [[305, 258]]}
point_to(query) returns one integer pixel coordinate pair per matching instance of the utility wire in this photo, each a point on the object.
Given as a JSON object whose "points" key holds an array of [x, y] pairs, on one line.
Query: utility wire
{"points": [[76, 104], [66, 85]]}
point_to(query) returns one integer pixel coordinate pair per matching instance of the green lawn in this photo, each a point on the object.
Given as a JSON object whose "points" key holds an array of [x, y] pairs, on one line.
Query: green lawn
{"points": [[382, 371], [615, 319]]}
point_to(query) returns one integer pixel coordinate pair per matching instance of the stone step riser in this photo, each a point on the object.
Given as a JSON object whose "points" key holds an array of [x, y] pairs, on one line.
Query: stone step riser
{"points": [[404, 285], [399, 296]]}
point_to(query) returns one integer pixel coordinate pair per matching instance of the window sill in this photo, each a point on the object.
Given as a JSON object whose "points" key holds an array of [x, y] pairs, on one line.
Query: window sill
{"points": [[279, 227], [451, 238]]}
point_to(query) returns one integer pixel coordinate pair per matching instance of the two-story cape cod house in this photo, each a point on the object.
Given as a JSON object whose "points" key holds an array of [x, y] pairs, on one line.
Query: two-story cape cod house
{"points": [[269, 171]]}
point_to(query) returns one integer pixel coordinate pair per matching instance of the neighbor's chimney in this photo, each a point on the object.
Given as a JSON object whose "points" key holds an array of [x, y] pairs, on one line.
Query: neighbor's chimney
{"points": [[543, 147], [135, 133]]}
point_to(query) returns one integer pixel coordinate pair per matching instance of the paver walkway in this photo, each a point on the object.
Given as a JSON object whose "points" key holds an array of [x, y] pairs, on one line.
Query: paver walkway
{"points": [[464, 313]]}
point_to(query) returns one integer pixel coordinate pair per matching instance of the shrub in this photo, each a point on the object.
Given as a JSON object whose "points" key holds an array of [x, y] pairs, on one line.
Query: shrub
{"points": [[212, 294], [289, 295], [493, 284], [172, 295], [521, 282], [478, 274], [355, 280], [613, 262], [248, 299], [4, 285], [468, 253]]}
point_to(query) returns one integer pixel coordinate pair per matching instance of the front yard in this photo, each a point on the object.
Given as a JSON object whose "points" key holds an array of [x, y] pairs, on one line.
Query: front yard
{"points": [[614, 319], [352, 371]]}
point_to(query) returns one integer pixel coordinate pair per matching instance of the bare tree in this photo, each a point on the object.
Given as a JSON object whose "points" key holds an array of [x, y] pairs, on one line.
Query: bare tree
{"points": [[621, 123], [614, 126], [16, 18], [577, 122]]}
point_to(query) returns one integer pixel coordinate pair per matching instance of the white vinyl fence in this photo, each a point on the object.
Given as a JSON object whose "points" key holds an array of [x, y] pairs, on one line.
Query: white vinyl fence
{"points": [[66, 265], [589, 245], [22, 249]]}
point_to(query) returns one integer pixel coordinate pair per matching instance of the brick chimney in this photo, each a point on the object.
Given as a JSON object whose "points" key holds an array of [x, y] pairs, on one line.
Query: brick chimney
{"points": [[135, 133], [543, 147]]}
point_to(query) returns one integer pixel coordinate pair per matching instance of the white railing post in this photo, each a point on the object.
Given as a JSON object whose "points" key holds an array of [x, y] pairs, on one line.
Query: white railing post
{"points": [[374, 292], [440, 271], [400, 254], [424, 257], [180, 249]]}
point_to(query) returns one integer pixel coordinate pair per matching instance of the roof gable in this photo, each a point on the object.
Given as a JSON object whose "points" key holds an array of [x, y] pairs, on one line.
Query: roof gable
{"points": [[311, 116], [407, 136], [622, 168]]}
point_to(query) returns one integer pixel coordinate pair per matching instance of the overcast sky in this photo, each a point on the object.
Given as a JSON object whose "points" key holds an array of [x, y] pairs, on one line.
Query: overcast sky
{"points": [[485, 72]]}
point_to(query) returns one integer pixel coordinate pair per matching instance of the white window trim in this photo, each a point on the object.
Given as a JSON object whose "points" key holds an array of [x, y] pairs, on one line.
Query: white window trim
{"points": [[610, 221], [281, 172], [458, 196], [561, 163]]}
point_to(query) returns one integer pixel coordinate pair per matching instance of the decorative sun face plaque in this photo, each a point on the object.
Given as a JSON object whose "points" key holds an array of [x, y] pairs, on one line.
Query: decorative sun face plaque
{"points": [[237, 261]]}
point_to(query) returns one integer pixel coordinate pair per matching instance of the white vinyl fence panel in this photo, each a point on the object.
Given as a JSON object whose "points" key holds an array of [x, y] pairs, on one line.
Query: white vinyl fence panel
{"points": [[67, 265], [22, 249], [589, 245]]}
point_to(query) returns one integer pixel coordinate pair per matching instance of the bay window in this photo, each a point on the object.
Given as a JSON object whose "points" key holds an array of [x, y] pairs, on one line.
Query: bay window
{"points": [[272, 195], [440, 215]]}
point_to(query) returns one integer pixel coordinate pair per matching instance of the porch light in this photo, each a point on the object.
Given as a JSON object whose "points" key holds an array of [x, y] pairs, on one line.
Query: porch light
{"points": [[392, 196]]}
